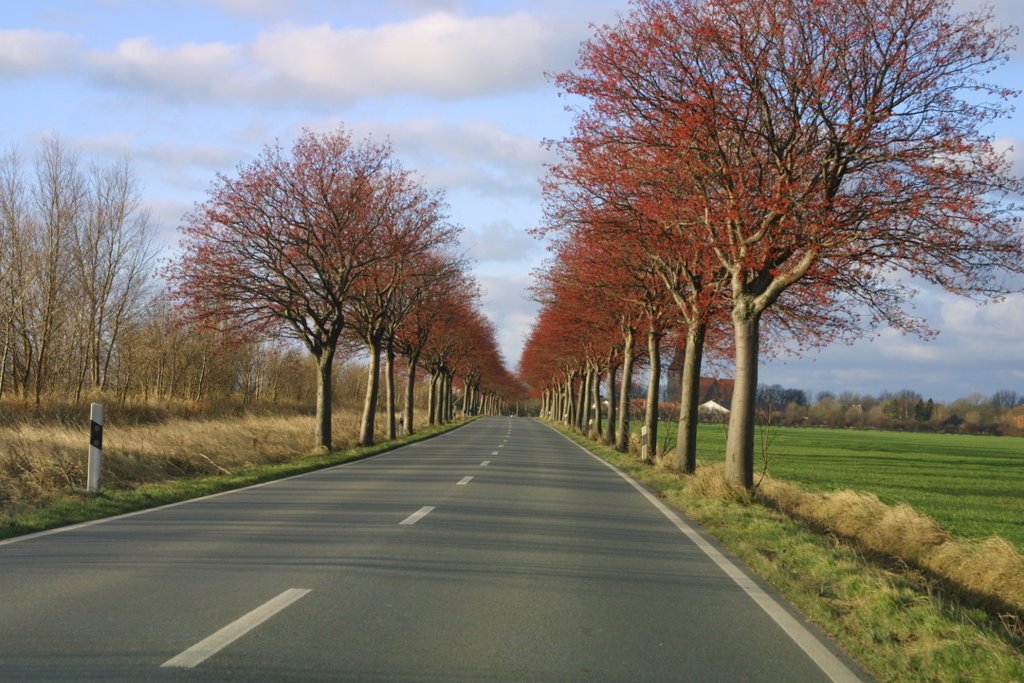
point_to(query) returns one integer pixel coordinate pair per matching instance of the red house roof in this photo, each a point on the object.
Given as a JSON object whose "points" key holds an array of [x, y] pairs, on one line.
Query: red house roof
{"points": [[717, 390]]}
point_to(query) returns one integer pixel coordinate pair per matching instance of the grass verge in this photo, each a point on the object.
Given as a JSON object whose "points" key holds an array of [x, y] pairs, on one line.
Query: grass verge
{"points": [[898, 623], [73, 507], [972, 485]]}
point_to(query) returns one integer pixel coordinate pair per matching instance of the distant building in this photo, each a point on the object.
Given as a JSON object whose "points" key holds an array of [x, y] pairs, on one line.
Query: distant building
{"points": [[718, 391], [711, 410], [711, 388]]}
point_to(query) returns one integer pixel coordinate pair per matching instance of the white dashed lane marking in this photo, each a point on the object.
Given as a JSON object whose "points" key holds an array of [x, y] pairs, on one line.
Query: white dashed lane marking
{"points": [[213, 644], [417, 516]]}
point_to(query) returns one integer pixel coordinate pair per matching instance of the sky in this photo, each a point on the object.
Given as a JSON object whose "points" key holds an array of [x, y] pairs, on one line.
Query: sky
{"points": [[191, 88]]}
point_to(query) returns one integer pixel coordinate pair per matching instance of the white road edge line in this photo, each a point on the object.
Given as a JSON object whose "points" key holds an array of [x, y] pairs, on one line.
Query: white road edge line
{"points": [[213, 644], [417, 516], [805, 640], [464, 481]]}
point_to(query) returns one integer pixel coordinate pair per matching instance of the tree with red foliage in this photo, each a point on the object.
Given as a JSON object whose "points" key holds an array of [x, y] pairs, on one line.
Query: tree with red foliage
{"points": [[414, 225], [606, 193], [600, 284], [279, 246], [455, 335], [438, 278], [434, 300], [816, 147], [479, 364]]}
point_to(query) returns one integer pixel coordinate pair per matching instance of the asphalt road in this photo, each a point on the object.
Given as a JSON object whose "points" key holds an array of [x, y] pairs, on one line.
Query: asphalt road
{"points": [[498, 552]]}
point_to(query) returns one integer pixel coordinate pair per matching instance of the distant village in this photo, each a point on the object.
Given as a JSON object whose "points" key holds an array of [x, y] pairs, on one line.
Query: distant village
{"points": [[1002, 413]]}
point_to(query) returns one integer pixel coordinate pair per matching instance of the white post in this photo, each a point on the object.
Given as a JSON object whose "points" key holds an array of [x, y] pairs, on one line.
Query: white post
{"points": [[643, 443], [95, 447]]}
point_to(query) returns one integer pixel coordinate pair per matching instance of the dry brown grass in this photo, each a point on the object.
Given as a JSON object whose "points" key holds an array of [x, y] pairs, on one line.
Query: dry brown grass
{"points": [[709, 481], [990, 569], [37, 460]]}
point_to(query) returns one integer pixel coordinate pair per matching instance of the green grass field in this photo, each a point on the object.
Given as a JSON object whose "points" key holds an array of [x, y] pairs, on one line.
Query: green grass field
{"points": [[972, 485]]}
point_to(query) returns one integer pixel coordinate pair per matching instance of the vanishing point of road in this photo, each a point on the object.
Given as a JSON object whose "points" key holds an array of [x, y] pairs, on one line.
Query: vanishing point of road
{"points": [[500, 551]]}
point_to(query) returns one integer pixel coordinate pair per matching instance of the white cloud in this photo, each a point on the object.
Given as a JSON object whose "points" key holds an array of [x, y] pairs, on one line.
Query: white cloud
{"points": [[439, 54], [165, 216], [1014, 148], [1002, 323], [259, 9], [978, 350], [25, 52], [1006, 11], [501, 242], [480, 156], [273, 9], [507, 304], [174, 157], [897, 346], [188, 167], [208, 70]]}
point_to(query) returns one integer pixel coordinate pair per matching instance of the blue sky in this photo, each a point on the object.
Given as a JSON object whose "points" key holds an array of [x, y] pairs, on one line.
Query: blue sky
{"points": [[189, 88]]}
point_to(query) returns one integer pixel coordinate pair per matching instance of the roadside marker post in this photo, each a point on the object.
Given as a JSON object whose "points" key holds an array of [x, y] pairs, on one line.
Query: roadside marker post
{"points": [[95, 468]]}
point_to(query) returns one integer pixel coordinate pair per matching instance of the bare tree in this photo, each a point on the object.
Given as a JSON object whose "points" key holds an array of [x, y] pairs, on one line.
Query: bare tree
{"points": [[113, 260]]}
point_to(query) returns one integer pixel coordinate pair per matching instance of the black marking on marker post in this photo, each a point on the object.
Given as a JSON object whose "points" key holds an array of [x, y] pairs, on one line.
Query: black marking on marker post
{"points": [[96, 435]]}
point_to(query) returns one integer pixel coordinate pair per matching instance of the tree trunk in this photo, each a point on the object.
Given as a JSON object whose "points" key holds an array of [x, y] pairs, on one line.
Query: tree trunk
{"points": [[649, 444], [432, 399], [609, 434], [324, 393], [442, 398], [446, 379], [622, 436], [3, 362], [739, 449], [582, 394], [451, 397], [198, 396], [367, 424], [597, 433], [686, 438], [439, 399], [586, 391], [389, 387], [410, 395], [570, 399], [80, 387]]}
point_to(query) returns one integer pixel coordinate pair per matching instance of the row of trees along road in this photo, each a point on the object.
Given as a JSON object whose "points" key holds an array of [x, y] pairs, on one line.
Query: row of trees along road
{"points": [[334, 241], [81, 317], [782, 170]]}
